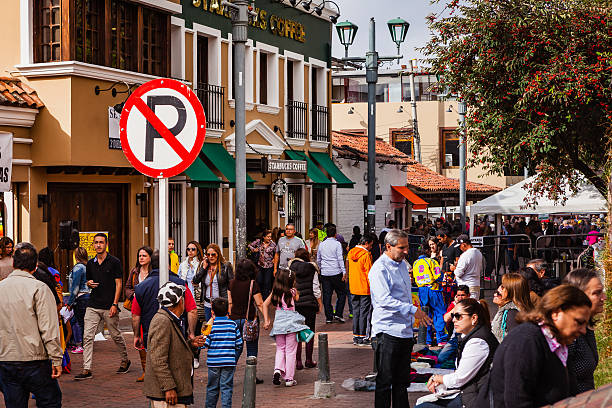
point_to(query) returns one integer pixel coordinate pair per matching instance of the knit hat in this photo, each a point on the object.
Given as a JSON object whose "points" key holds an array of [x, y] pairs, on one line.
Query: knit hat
{"points": [[170, 294]]}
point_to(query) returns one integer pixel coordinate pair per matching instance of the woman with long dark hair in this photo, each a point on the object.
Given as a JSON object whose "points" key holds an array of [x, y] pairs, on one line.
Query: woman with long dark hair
{"points": [[511, 297], [583, 357], [265, 249], [215, 275], [529, 367]]}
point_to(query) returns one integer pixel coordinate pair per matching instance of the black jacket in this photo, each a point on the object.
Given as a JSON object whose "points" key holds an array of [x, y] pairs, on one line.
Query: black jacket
{"points": [[224, 276], [304, 275], [469, 392], [525, 372]]}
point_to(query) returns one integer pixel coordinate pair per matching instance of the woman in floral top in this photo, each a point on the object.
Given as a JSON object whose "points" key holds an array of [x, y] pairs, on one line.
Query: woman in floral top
{"points": [[265, 248]]}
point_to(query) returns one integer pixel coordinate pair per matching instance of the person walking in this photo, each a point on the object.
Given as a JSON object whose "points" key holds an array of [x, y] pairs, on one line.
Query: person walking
{"points": [[172, 256], [215, 275], [286, 247], [427, 275], [529, 367], [512, 297], [470, 266], [583, 357], [104, 275], [393, 317], [333, 276], [244, 297], [30, 350], [138, 274], [224, 343], [188, 268], [309, 302], [359, 262], [265, 248], [169, 375], [6, 257], [79, 292], [313, 244], [355, 238]]}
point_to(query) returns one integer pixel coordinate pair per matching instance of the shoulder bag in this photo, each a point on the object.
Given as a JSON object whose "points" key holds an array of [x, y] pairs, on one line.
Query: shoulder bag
{"points": [[127, 303], [250, 331]]}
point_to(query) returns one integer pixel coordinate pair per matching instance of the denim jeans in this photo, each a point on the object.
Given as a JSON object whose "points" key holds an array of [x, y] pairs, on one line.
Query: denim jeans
{"points": [[251, 346], [449, 351], [80, 306], [220, 378], [448, 403], [22, 378], [362, 308], [329, 284]]}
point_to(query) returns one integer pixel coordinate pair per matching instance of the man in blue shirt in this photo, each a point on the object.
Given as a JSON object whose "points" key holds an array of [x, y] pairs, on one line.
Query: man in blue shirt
{"points": [[393, 317], [333, 276]]}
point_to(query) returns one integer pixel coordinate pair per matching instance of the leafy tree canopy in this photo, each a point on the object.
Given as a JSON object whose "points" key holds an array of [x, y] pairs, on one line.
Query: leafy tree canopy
{"points": [[537, 79]]}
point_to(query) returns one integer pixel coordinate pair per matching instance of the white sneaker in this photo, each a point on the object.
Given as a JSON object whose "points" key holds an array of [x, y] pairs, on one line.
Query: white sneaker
{"points": [[196, 363], [290, 383]]}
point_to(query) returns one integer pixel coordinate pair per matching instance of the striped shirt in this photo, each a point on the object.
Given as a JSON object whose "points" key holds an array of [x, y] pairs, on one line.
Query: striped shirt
{"points": [[223, 342]]}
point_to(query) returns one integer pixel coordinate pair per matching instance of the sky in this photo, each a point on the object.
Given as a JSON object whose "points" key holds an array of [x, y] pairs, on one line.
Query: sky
{"points": [[359, 12]]}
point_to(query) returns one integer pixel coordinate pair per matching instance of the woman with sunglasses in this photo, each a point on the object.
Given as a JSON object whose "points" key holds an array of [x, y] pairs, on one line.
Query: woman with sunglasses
{"points": [[188, 268], [475, 353], [215, 275], [511, 297], [529, 367]]}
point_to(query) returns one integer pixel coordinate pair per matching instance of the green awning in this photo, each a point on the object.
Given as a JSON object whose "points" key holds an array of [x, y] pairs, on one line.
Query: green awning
{"points": [[314, 173], [201, 175], [330, 167], [223, 161]]}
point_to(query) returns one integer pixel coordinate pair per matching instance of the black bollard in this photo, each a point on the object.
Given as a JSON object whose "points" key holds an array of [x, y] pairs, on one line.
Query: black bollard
{"points": [[324, 375], [250, 375]]}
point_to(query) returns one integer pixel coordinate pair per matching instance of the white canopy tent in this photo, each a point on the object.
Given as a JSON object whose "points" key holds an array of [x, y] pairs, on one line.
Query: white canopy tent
{"points": [[511, 202]]}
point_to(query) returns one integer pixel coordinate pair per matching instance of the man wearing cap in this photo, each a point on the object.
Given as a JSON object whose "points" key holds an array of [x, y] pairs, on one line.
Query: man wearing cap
{"points": [[169, 369], [469, 267]]}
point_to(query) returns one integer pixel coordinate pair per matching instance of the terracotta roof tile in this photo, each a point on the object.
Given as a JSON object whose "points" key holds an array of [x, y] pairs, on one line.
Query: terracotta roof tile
{"points": [[419, 177], [13, 92]]}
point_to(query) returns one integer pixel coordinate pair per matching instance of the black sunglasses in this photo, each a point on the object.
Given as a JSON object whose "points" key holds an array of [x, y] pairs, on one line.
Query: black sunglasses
{"points": [[191, 249], [457, 316]]}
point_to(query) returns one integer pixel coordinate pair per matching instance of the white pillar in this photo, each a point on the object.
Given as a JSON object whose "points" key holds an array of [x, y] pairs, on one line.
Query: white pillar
{"points": [[220, 216], [163, 231], [196, 214], [230, 219]]}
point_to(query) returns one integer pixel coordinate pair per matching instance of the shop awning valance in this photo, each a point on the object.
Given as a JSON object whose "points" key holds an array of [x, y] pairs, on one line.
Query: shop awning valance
{"points": [[313, 173], [330, 167], [417, 202], [223, 161], [201, 175]]}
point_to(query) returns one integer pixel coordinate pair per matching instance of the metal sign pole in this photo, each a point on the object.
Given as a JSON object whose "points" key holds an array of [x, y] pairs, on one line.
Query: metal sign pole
{"points": [[163, 232]]}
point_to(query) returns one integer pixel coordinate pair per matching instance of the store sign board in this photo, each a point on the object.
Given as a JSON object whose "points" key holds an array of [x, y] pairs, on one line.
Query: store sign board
{"points": [[287, 166], [6, 160], [477, 242], [86, 239], [162, 128], [114, 141]]}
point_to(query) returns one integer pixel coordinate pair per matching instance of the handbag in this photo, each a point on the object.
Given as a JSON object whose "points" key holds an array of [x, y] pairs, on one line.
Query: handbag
{"points": [[127, 303], [250, 330]]}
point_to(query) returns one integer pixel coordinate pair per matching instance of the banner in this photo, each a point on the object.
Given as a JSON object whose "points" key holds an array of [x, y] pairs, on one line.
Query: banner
{"points": [[6, 160], [86, 240]]}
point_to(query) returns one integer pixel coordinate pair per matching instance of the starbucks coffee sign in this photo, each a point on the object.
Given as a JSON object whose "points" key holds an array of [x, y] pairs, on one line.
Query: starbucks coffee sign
{"points": [[287, 166]]}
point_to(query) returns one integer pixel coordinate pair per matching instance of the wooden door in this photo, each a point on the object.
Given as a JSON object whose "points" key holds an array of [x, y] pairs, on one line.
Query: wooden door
{"points": [[97, 207], [257, 212]]}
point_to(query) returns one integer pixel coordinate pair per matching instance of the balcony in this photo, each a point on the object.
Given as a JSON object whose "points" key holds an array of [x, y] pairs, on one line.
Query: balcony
{"points": [[212, 98], [296, 119], [319, 123]]}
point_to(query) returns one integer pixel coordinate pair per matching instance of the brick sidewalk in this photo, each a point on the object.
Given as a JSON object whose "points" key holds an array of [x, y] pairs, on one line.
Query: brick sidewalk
{"points": [[107, 389]]}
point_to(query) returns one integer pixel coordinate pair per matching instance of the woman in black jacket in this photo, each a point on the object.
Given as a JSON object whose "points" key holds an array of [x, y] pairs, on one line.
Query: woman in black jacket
{"points": [[475, 352], [526, 371], [309, 302], [583, 357], [215, 275]]}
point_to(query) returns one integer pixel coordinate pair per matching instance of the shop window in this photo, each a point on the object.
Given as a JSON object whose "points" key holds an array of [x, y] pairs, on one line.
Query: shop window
{"points": [[138, 34], [449, 148], [318, 206], [294, 206], [403, 141], [263, 78], [207, 216], [175, 206]]}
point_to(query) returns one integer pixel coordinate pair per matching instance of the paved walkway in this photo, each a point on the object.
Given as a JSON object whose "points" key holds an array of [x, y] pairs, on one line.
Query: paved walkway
{"points": [[107, 389]]}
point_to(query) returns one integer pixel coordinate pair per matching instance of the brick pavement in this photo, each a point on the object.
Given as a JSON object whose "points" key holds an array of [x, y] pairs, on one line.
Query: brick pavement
{"points": [[107, 389]]}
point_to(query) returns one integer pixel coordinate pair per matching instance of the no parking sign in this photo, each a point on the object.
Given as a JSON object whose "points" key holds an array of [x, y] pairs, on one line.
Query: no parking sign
{"points": [[162, 128]]}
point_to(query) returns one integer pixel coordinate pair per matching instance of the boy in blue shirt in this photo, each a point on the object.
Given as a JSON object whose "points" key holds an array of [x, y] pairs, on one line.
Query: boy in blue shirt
{"points": [[223, 343]]}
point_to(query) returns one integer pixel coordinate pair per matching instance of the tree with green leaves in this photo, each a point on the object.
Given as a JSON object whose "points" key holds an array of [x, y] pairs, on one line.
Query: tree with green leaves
{"points": [[537, 79]]}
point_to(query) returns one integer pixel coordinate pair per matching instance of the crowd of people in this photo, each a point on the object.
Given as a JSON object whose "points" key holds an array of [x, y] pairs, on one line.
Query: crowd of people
{"points": [[210, 304]]}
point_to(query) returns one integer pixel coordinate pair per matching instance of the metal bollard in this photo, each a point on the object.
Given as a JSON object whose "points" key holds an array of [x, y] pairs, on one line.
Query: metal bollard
{"points": [[323, 358], [249, 390]]}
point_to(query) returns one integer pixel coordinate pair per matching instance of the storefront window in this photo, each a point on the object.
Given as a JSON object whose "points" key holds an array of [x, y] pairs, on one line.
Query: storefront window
{"points": [[318, 206], [294, 206], [175, 204], [207, 216]]}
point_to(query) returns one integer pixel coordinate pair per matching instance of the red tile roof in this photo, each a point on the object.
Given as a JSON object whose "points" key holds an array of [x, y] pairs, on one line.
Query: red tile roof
{"points": [[13, 92], [419, 177]]}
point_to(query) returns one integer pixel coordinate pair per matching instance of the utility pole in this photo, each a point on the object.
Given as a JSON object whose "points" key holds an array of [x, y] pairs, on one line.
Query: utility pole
{"points": [[462, 167], [415, 124], [240, 19]]}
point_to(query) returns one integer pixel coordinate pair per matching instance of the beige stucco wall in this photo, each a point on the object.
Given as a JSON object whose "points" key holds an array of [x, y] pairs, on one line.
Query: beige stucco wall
{"points": [[432, 117], [9, 36]]}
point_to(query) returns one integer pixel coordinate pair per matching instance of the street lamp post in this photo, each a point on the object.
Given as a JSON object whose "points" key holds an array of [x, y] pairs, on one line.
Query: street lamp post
{"points": [[462, 167], [346, 32]]}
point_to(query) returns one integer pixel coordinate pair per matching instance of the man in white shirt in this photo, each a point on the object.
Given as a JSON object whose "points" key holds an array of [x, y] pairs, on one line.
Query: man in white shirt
{"points": [[469, 267], [333, 275]]}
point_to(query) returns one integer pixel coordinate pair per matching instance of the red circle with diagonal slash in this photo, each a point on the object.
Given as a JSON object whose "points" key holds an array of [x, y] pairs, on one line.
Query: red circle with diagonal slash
{"points": [[136, 103]]}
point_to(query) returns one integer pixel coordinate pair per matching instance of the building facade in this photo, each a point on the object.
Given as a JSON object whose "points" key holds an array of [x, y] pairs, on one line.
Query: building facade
{"points": [[82, 59]]}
